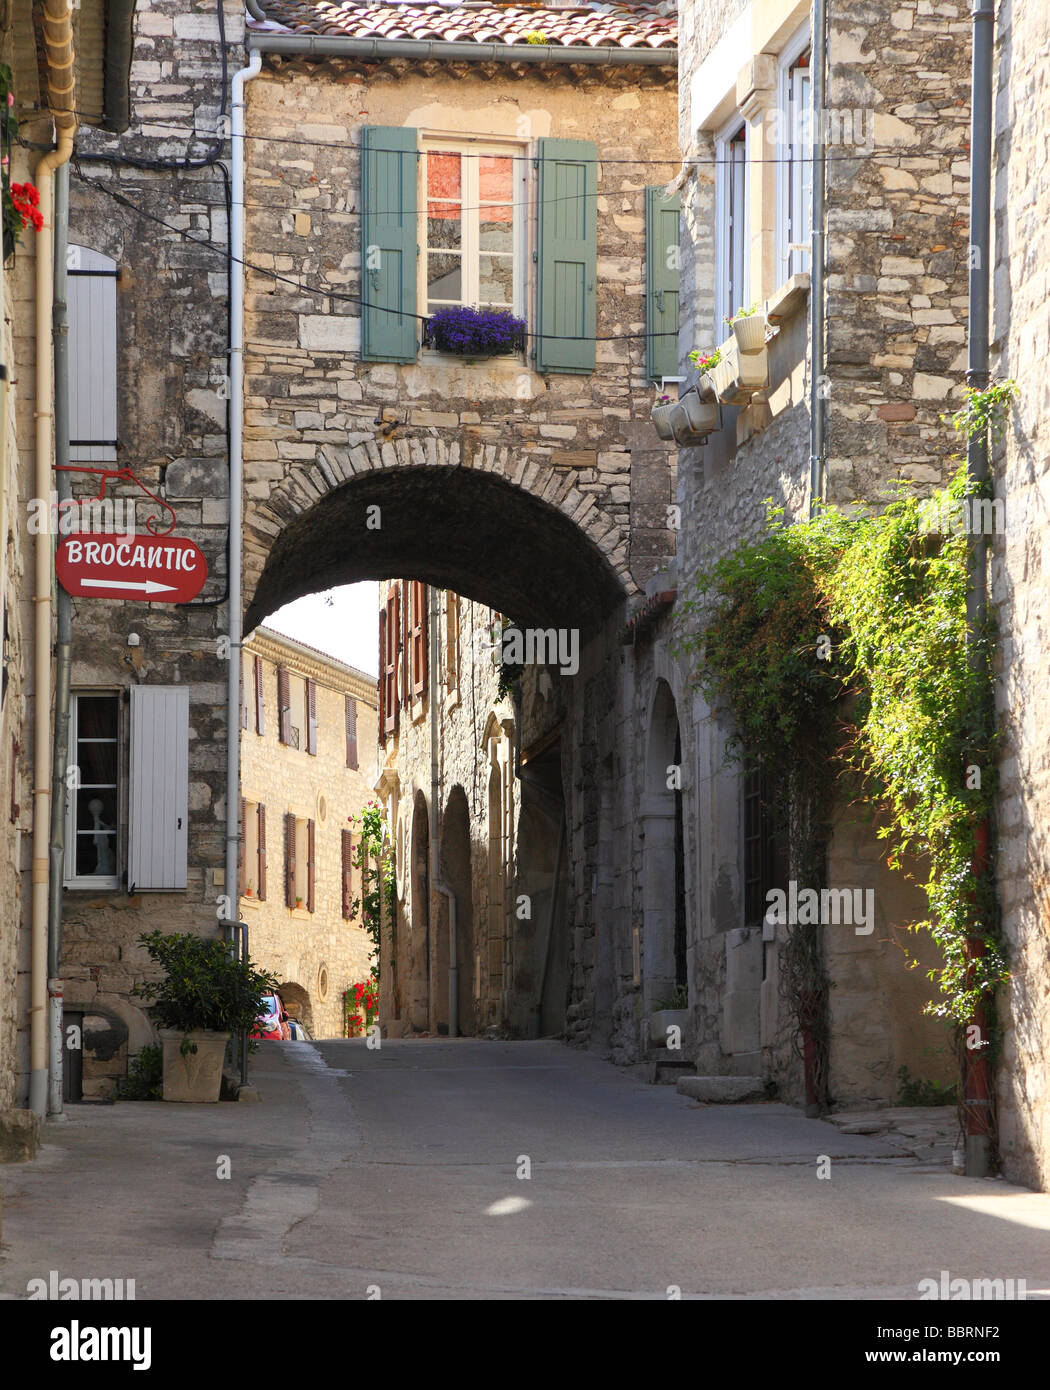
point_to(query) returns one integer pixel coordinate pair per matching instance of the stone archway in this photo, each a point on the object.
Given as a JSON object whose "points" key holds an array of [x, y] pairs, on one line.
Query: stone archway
{"points": [[297, 1002]]}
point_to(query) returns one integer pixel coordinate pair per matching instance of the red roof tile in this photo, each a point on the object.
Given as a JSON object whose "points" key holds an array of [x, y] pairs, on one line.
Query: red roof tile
{"points": [[598, 25]]}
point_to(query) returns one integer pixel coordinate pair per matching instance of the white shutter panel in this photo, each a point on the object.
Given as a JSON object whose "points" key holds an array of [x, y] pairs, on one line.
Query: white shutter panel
{"points": [[159, 787], [92, 300]]}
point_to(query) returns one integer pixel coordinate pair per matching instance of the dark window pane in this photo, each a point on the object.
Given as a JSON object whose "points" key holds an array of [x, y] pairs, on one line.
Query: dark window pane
{"points": [[96, 716], [97, 763], [96, 855], [97, 810]]}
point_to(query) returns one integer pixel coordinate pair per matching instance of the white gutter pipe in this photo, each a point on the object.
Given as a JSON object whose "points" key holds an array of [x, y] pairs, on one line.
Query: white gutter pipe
{"points": [[435, 820], [58, 47], [234, 617]]}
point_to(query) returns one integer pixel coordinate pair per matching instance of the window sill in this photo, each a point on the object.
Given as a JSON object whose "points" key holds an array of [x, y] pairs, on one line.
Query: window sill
{"points": [[788, 300], [98, 885], [508, 361], [301, 914], [253, 902]]}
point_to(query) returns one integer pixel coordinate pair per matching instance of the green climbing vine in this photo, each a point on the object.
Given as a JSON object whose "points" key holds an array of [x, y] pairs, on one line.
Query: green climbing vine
{"points": [[376, 866], [839, 647]]}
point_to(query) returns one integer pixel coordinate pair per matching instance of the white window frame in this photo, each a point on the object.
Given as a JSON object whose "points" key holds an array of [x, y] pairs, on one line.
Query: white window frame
{"points": [[794, 173], [732, 182], [70, 878], [471, 254]]}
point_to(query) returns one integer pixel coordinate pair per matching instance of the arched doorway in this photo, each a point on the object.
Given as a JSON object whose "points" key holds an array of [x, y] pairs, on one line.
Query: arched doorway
{"points": [[456, 874], [664, 953], [297, 1002], [419, 950]]}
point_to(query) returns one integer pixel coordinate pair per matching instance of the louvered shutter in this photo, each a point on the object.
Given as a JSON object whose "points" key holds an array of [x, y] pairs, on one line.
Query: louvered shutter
{"points": [[382, 675], [260, 708], [311, 716], [310, 846], [284, 705], [348, 874], [419, 638], [390, 665], [662, 283], [262, 853], [351, 731], [158, 787], [389, 243], [289, 860], [567, 256], [241, 873], [244, 698]]}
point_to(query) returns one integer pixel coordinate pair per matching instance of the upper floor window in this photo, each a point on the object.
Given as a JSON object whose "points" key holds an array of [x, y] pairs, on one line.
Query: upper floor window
{"points": [[471, 228], [92, 298], [794, 158], [731, 236]]}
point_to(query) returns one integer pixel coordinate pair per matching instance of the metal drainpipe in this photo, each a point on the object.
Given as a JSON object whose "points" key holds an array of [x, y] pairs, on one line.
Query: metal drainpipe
{"points": [[976, 1077], [816, 260], [234, 616], [436, 50], [58, 47], [435, 820], [63, 656]]}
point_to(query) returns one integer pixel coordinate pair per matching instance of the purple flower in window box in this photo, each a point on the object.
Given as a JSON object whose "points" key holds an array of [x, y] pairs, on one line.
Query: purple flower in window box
{"points": [[474, 332]]}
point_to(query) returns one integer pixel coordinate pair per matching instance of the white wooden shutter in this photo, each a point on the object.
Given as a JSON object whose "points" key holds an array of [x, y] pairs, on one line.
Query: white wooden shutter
{"points": [[92, 300], [159, 787]]}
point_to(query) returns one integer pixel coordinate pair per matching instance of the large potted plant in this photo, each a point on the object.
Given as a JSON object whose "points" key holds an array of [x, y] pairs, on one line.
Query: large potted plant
{"points": [[204, 997], [474, 333]]}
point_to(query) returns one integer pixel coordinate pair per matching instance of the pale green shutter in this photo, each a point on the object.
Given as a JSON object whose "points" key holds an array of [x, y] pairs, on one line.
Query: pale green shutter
{"points": [[389, 232], [567, 256], [662, 282]]}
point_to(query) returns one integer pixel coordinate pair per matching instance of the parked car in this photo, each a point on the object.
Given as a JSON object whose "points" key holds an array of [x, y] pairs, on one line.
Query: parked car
{"points": [[272, 1022], [300, 1032]]}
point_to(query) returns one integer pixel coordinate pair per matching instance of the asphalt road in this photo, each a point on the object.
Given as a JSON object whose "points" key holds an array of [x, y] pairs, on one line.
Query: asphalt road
{"points": [[440, 1169]]}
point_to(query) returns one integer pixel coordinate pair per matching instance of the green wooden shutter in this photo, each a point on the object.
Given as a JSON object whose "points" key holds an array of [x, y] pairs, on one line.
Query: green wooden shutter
{"points": [[567, 256], [662, 282], [389, 237]]}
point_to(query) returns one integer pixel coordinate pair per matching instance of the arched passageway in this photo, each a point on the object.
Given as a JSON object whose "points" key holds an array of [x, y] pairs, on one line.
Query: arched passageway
{"points": [[664, 901], [419, 942], [297, 1002], [456, 874]]}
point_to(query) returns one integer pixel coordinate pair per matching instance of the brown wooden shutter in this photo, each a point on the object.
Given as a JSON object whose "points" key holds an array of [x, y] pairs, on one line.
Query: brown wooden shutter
{"points": [[244, 699], [260, 708], [348, 875], [351, 731], [419, 637], [404, 672], [311, 716], [309, 866], [262, 854], [390, 627], [241, 876], [289, 860], [382, 675], [284, 706]]}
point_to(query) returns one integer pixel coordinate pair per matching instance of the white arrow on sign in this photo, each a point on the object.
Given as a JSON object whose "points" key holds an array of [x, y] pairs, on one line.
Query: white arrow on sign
{"points": [[147, 586]]}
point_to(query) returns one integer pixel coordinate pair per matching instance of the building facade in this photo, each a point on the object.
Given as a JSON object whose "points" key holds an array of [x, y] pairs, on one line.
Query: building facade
{"points": [[308, 743]]}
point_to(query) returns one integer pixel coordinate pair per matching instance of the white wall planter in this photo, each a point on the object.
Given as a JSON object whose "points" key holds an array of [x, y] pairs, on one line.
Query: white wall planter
{"points": [[661, 419], [750, 333], [197, 1077], [692, 419], [739, 375]]}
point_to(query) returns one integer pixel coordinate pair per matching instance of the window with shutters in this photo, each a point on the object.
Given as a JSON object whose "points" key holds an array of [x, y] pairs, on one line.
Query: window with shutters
{"points": [[93, 796], [566, 256], [731, 224], [259, 687], [350, 716], [417, 639], [794, 158], [284, 706], [351, 876], [92, 314], [250, 855], [310, 703], [662, 282], [471, 227], [389, 648], [299, 867]]}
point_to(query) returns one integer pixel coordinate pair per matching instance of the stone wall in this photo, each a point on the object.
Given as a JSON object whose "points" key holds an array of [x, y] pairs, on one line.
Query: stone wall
{"points": [[1021, 585], [319, 953]]}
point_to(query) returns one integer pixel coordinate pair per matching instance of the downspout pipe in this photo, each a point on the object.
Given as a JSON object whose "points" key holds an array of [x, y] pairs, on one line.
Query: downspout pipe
{"points": [[235, 611], [977, 1091], [438, 50], [63, 652], [58, 48], [444, 889], [817, 254]]}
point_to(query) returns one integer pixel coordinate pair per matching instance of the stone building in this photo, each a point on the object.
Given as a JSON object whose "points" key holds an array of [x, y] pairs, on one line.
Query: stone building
{"points": [[307, 766], [63, 68]]}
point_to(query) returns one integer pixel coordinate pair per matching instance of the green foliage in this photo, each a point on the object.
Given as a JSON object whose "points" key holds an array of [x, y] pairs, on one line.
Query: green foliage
{"points": [[678, 1000], [12, 218], [874, 608], [509, 673], [985, 411], [204, 986], [536, 36], [919, 1091], [705, 360], [144, 1080], [742, 313], [377, 876]]}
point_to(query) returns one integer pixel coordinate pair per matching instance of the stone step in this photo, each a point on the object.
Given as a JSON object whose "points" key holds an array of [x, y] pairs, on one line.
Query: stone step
{"points": [[722, 1090], [663, 1069]]}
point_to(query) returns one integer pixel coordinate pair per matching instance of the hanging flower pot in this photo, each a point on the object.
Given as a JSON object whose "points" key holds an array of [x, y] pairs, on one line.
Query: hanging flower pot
{"points": [[661, 419], [739, 375], [749, 330], [692, 419]]}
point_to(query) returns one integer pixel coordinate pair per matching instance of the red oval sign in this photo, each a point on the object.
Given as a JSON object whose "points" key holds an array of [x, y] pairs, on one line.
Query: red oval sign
{"points": [[146, 569]]}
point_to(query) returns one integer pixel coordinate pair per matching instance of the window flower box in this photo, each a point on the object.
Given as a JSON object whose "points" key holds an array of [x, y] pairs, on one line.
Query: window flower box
{"points": [[474, 334], [739, 375], [693, 419]]}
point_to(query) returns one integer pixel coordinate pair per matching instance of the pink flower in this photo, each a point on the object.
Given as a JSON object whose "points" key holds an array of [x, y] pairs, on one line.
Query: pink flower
{"points": [[10, 98]]}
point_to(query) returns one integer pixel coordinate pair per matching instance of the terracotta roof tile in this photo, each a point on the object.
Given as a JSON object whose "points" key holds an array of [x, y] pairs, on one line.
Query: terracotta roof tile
{"points": [[597, 25]]}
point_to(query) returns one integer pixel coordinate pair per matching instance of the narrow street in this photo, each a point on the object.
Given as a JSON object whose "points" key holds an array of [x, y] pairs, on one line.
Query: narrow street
{"points": [[397, 1171]]}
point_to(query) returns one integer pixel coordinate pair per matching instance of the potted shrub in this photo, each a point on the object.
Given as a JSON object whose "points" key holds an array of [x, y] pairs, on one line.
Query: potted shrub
{"points": [[661, 417], [474, 333], [205, 996], [749, 329]]}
